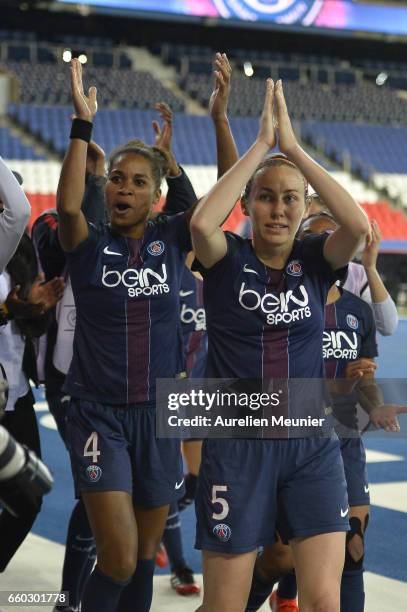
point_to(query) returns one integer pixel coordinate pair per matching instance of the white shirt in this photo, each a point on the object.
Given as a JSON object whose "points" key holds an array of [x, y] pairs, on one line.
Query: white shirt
{"points": [[14, 218], [12, 345], [385, 313]]}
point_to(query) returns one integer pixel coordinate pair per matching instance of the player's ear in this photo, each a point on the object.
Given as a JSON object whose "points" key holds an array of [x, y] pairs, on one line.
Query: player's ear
{"points": [[243, 205], [157, 197]]}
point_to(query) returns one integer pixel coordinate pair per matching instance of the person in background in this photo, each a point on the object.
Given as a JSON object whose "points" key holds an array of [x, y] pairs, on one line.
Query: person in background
{"points": [[15, 213], [364, 280], [349, 351], [26, 302]]}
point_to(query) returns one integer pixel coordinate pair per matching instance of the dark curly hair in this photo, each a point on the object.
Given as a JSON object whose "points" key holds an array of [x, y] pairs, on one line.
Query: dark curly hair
{"points": [[157, 157]]}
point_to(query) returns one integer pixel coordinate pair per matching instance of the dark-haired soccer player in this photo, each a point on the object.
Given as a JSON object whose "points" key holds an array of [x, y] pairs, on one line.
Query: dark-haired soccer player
{"points": [[125, 278]]}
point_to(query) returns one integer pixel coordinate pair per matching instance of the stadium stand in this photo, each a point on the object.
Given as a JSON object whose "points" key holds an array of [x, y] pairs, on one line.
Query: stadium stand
{"points": [[336, 108], [125, 88], [11, 147]]}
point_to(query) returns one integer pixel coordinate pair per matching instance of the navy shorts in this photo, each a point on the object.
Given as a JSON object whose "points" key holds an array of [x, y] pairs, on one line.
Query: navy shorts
{"points": [[248, 489], [354, 462], [114, 448]]}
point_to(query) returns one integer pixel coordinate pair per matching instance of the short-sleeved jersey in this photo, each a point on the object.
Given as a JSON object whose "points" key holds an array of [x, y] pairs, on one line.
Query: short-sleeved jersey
{"points": [[350, 333], [126, 293], [265, 323], [193, 323]]}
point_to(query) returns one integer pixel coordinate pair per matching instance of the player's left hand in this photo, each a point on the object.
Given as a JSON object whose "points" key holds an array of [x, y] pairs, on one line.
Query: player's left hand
{"points": [[46, 295], [371, 251], [386, 417]]}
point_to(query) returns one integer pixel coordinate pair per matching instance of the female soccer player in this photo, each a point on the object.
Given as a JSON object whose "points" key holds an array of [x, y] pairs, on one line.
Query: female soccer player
{"points": [[125, 279], [364, 280], [349, 349], [264, 302]]}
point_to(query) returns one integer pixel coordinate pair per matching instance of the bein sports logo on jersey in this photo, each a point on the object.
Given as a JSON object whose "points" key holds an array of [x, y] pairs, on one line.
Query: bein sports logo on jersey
{"points": [[196, 317], [339, 345], [294, 268], [277, 307], [280, 11], [93, 472], [145, 282], [156, 248], [222, 532], [352, 321]]}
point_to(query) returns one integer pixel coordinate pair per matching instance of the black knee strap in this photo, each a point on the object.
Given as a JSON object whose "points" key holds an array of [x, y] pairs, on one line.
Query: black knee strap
{"points": [[355, 529]]}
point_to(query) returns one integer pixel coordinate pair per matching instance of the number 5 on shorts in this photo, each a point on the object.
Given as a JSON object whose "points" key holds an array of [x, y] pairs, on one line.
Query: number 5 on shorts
{"points": [[91, 447], [220, 500]]}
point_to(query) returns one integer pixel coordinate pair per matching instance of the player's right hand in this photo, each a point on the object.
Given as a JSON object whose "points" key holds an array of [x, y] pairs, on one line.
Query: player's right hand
{"points": [[85, 106], [385, 417], [218, 103], [267, 133], [360, 368]]}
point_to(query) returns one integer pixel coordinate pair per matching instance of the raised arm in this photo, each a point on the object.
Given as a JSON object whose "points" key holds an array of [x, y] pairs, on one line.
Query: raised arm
{"points": [[15, 215], [181, 195], [226, 150], [208, 239], [353, 228], [73, 228], [384, 309]]}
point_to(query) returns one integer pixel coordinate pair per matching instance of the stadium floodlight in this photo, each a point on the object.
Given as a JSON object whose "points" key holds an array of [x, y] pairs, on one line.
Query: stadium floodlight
{"points": [[381, 78], [248, 69], [67, 55], [82, 58]]}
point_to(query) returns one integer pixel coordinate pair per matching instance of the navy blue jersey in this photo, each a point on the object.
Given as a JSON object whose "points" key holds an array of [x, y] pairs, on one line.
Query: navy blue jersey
{"points": [[265, 323], [127, 301], [350, 333], [193, 323]]}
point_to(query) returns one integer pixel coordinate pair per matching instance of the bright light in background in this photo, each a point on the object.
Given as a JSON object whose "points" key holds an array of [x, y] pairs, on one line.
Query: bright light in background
{"points": [[248, 69], [381, 78], [82, 58], [67, 55]]}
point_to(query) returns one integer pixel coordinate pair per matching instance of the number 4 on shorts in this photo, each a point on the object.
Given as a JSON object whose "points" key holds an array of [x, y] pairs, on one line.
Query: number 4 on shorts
{"points": [[91, 447], [220, 500]]}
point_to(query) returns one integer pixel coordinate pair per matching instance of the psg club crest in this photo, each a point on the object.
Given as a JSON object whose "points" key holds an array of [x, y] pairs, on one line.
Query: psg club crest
{"points": [[281, 11], [156, 248], [295, 268], [93, 472], [352, 321], [222, 532]]}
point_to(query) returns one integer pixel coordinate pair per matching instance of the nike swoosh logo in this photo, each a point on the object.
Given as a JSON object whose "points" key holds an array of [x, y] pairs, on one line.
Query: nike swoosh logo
{"points": [[246, 269], [344, 513], [185, 293], [178, 486], [366, 489], [107, 252]]}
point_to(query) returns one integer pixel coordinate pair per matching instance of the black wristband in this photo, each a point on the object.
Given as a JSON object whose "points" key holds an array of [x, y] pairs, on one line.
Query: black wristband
{"points": [[81, 129]]}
